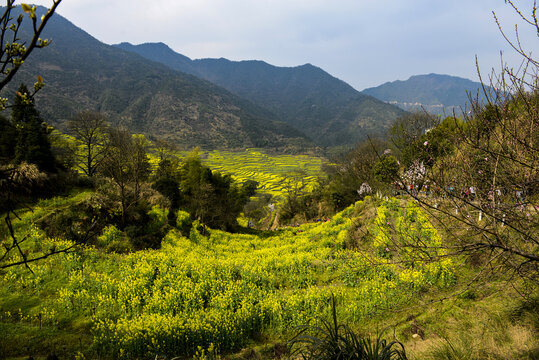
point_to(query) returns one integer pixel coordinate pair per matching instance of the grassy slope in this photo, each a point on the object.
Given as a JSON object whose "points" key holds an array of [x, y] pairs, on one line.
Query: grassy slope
{"points": [[243, 290]]}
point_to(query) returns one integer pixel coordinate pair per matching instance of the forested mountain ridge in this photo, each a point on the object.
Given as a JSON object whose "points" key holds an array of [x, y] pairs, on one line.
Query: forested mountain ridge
{"points": [[82, 73], [327, 109], [433, 92]]}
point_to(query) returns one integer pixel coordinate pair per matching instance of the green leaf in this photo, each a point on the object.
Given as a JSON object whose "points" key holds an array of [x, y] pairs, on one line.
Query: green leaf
{"points": [[29, 10], [26, 8]]}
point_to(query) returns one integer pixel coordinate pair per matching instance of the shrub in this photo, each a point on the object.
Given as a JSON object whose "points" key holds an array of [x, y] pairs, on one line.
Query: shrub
{"points": [[183, 222], [115, 240], [158, 219], [195, 233]]}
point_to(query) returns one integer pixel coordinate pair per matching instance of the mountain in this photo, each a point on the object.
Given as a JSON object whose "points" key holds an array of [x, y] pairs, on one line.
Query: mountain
{"points": [[328, 110], [433, 92], [82, 73]]}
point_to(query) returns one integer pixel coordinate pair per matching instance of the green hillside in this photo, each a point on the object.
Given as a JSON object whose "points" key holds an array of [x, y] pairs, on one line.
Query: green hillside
{"points": [[82, 73], [438, 94], [327, 109]]}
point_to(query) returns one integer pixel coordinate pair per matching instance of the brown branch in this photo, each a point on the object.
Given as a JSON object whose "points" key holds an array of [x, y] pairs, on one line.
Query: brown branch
{"points": [[33, 43], [27, 261]]}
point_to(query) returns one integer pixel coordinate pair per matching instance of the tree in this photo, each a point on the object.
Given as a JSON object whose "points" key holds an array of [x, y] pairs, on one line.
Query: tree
{"points": [[8, 140], [33, 145], [386, 170], [351, 172], [488, 184], [295, 192], [211, 197], [12, 57], [126, 164], [90, 129], [407, 132]]}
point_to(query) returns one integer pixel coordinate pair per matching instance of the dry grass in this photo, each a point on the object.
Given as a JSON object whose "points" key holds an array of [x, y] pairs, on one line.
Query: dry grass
{"points": [[499, 326]]}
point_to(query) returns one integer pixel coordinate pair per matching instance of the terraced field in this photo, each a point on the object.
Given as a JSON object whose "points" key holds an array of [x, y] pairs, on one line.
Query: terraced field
{"points": [[273, 172]]}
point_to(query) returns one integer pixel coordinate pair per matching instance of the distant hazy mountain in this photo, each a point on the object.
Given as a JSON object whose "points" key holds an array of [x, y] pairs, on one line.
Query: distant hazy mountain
{"points": [[435, 93], [327, 109], [82, 73]]}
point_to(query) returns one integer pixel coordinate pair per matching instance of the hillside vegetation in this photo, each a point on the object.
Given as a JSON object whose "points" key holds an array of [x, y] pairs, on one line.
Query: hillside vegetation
{"points": [[437, 94], [326, 109], [146, 97], [222, 289], [220, 292], [118, 245]]}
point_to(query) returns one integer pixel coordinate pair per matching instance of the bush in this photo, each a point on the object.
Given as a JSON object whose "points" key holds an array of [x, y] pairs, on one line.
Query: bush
{"points": [[183, 222], [109, 235], [114, 240], [158, 219], [195, 235]]}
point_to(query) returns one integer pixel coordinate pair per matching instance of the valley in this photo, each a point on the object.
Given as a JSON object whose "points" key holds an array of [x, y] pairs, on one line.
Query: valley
{"points": [[160, 207]]}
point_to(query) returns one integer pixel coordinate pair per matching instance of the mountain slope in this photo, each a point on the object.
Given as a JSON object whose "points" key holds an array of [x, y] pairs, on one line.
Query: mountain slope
{"points": [[433, 92], [82, 73], [327, 109]]}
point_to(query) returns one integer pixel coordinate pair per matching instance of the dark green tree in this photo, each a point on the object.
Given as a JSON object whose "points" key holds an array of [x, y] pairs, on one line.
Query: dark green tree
{"points": [[8, 140], [211, 197], [33, 145], [386, 169]]}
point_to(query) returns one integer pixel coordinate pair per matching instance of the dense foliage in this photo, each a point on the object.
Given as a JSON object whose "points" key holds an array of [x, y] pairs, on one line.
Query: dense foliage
{"points": [[32, 144], [211, 197]]}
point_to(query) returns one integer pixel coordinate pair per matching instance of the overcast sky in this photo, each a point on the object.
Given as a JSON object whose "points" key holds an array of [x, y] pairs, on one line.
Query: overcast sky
{"points": [[363, 42]]}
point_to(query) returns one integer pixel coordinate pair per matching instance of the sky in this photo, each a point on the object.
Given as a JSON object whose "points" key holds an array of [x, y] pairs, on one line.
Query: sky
{"points": [[363, 42]]}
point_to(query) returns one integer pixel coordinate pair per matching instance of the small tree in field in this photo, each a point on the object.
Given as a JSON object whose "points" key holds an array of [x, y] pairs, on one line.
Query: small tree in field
{"points": [[126, 163], [386, 170], [91, 131]]}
